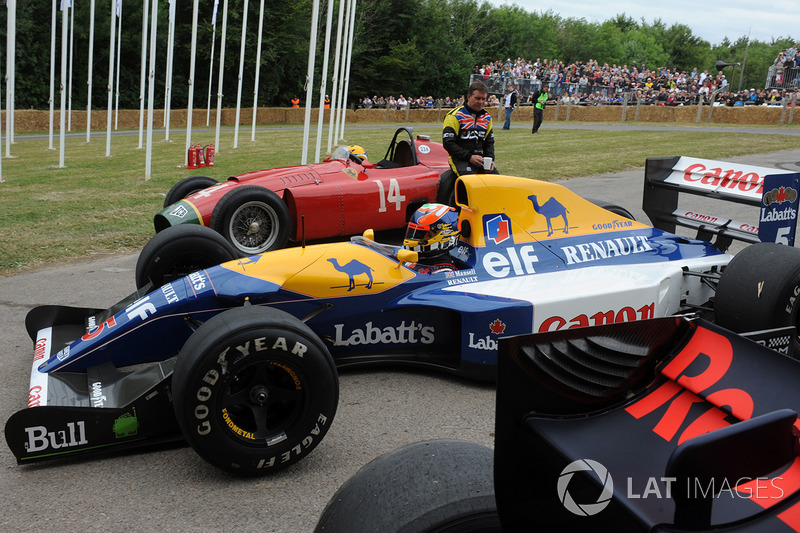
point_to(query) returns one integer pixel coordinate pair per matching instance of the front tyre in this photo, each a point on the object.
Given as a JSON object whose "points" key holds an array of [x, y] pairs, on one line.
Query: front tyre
{"points": [[759, 290], [443, 486], [187, 187], [180, 250], [254, 390], [253, 219]]}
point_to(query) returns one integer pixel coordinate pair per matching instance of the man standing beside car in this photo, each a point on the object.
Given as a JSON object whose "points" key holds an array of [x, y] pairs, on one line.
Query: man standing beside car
{"points": [[469, 140]]}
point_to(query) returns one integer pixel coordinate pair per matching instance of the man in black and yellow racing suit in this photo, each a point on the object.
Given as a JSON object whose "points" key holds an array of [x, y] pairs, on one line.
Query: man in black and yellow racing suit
{"points": [[469, 140]]}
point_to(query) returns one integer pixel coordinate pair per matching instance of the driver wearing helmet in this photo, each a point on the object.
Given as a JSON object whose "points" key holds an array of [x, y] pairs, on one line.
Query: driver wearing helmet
{"points": [[357, 153], [432, 232], [353, 152]]}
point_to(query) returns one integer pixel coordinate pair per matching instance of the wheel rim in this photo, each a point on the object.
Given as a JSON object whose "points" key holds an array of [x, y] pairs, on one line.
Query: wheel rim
{"points": [[262, 401], [253, 227]]}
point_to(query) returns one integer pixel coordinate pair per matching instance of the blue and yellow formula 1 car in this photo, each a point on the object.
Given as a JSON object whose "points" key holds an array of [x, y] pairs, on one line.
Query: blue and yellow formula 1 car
{"points": [[240, 359]]}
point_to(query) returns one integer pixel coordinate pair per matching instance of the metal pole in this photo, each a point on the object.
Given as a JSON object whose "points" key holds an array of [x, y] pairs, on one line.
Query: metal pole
{"points": [[119, 54], [89, 73], [113, 41], [258, 68], [143, 73], [52, 73], [151, 74], [324, 83], [190, 103], [71, 62], [347, 63], [211, 66], [63, 88], [221, 71], [336, 77], [11, 24], [170, 57], [312, 48], [241, 74]]}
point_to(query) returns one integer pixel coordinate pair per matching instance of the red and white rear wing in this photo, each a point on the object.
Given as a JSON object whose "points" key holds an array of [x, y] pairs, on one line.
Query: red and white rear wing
{"points": [[666, 177]]}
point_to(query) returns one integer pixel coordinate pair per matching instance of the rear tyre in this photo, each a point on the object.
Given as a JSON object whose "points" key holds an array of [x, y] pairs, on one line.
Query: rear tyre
{"points": [[614, 208], [759, 290], [430, 486], [253, 219], [180, 250], [187, 187], [255, 390]]}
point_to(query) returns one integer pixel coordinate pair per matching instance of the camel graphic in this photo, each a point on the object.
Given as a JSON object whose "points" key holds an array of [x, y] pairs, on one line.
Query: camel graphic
{"points": [[550, 209], [351, 269]]}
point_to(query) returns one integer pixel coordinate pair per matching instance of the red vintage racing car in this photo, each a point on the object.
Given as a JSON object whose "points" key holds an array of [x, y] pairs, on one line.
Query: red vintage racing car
{"points": [[343, 195]]}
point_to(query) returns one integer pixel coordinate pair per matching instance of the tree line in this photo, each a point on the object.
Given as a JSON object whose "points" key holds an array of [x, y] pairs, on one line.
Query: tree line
{"points": [[414, 47]]}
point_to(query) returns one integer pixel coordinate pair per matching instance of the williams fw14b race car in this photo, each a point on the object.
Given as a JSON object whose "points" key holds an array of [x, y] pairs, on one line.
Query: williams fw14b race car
{"points": [[239, 356], [345, 194]]}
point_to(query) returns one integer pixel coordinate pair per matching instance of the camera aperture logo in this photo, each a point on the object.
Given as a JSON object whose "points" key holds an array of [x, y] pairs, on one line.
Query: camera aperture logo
{"points": [[585, 509]]}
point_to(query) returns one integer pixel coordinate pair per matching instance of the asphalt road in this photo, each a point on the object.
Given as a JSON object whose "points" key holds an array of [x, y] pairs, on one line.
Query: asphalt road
{"points": [[173, 489]]}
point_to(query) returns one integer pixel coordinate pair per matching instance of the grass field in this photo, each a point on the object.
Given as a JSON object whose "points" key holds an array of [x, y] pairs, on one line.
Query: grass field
{"points": [[100, 204]]}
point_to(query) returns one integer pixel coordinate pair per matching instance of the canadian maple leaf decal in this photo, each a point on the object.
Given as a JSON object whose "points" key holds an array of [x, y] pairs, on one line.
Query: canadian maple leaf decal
{"points": [[497, 327]]}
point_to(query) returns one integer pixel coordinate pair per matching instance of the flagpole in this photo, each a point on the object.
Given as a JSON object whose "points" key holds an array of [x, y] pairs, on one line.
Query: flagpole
{"points": [[221, 71], [190, 103], [11, 32], [170, 57], [241, 73], [347, 63], [71, 62], [143, 71], [334, 90], [112, 42], [89, 73], [324, 82], [52, 72], [151, 75], [63, 87], [211, 66], [312, 48], [258, 68], [119, 53], [340, 110]]}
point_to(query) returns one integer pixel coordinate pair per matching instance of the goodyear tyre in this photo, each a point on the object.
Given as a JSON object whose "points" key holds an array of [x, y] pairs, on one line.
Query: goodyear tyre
{"points": [[430, 486], [178, 251], [614, 208], [254, 390], [253, 219], [759, 290], [187, 187]]}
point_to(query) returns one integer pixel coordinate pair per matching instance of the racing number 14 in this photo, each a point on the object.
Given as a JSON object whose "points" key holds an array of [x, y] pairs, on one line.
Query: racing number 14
{"points": [[394, 195]]}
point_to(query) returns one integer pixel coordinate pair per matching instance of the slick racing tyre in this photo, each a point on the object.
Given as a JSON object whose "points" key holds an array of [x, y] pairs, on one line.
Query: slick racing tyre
{"points": [[254, 390], [430, 486], [253, 219], [180, 250], [187, 187], [759, 290], [614, 208]]}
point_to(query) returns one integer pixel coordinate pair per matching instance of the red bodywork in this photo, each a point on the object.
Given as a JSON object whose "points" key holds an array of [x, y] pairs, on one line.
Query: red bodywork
{"points": [[341, 197]]}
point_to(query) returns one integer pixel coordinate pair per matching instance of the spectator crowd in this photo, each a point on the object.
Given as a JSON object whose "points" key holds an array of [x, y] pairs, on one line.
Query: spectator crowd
{"points": [[595, 83]]}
